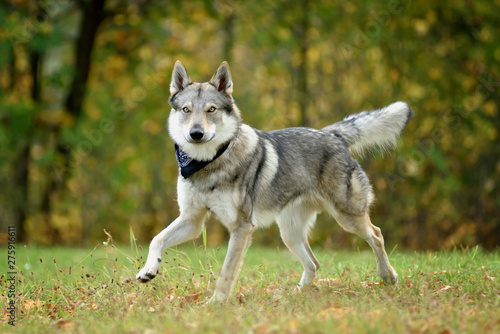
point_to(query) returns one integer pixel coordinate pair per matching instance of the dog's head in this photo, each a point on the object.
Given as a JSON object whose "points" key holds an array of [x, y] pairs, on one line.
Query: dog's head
{"points": [[204, 116]]}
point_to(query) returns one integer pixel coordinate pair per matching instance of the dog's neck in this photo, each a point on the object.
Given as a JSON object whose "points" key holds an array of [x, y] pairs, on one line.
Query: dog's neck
{"points": [[189, 166]]}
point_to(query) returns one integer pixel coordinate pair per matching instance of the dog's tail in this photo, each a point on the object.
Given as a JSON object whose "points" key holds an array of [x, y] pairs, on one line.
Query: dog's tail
{"points": [[367, 129]]}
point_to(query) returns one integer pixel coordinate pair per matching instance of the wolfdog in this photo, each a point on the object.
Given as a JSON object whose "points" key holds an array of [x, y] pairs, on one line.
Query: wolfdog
{"points": [[249, 178]]}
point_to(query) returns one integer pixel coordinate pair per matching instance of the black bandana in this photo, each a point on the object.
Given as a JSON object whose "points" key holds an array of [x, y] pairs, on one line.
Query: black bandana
{"points": [[189, 166]]}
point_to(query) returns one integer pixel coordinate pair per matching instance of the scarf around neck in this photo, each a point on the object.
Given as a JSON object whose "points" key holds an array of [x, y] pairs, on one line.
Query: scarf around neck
{"points": [[189, 166]]}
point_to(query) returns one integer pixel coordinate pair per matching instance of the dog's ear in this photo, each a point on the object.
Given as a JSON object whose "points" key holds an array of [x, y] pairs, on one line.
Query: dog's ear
{"points": [[222, 79], [180, 78]]}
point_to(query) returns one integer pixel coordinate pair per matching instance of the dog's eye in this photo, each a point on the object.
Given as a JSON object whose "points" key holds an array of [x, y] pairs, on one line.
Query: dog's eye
{"points": [[185, 109], [212, 109]]}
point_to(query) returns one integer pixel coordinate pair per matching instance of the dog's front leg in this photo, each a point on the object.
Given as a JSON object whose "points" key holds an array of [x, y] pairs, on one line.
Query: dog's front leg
{"points": [[180, 230], [239, 242]]}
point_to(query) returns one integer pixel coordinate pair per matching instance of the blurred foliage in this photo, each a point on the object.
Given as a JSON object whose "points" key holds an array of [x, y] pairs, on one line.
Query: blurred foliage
{"points": [[293, 62]]}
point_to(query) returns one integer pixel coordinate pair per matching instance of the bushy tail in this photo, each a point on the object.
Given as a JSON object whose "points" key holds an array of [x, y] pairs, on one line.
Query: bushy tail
{"points": [[367, 129]]}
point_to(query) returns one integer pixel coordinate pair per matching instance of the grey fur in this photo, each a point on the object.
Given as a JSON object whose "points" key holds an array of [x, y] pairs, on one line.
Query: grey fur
{"points": [[287, 176]]}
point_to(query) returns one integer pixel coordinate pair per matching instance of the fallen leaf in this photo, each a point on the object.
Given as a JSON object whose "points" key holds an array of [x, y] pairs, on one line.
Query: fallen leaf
{"points": [[29, 304], [293, 275], [193, 297], [444, 288], [328, 281], [369, 285]]}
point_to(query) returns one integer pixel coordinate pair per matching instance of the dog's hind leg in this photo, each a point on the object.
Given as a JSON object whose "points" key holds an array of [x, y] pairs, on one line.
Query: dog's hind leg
{"points": [[362, 226], [239, 241], [294, 222], [180, 230]]}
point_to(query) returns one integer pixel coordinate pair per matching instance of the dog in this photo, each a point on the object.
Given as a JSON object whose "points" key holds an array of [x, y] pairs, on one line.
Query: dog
{"points": [[249, 178]]}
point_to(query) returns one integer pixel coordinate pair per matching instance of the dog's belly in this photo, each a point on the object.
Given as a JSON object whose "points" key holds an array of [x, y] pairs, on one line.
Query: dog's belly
{"points": [[226, 205]]}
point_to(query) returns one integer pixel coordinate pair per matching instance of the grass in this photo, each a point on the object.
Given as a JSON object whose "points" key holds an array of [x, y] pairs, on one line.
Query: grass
{"points": [[94, 291]]}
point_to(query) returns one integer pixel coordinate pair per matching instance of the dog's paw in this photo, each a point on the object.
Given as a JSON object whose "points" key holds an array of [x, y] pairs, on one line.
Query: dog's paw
{"points": [[217, 299], [147, 273], [391, 277]]}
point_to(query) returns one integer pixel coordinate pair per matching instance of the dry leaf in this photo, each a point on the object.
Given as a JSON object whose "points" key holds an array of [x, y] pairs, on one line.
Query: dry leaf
{"points": [[369, 285], [444, 288], [29, 304], [328, 281]]}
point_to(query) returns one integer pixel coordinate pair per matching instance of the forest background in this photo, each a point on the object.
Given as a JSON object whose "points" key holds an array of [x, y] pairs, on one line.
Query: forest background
{"points": [[84, 103]]}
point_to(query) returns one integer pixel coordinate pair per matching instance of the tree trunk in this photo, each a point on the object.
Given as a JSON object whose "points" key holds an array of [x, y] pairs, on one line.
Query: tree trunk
{"points": [[20, 180], [93, 13]]}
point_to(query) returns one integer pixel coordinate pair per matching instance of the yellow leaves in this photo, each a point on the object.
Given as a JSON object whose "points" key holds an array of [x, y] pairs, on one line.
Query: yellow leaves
{"points": [[313, 54], [414, 90], [485, 35], [421, 27], [67, 119], [490, 108], [327, 66], [93, 111], [284, 33], [68, 222], [435, 73], [115, 66], [350, 7], [119, 19], [328, 281], [30, 303], [152, 127], [394, 75], [497, 54], [145, 52]]}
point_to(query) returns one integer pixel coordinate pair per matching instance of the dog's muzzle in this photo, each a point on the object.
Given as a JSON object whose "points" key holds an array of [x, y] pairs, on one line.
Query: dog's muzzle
{"points": [[196, 133]]}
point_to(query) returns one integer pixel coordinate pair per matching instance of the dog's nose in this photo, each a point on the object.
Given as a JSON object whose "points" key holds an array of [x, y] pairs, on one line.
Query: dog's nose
{"points": [[196, 133]]}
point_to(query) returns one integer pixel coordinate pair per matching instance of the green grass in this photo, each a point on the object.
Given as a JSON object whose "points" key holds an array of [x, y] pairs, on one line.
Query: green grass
{"points": [[84, 291]]}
